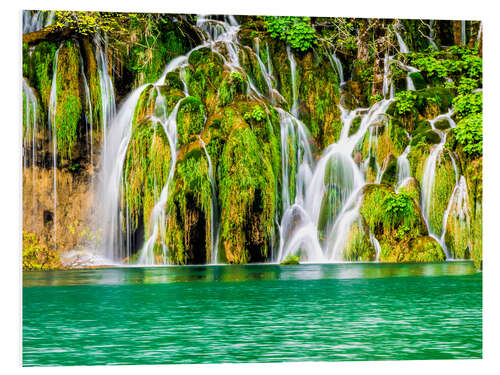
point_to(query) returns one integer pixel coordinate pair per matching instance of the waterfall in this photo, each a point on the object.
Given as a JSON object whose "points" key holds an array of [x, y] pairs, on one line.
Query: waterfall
{"points": [[293, 71], [463, 33], [403, 48], [432, 35], [108, 106], [214, 218], [52, 125], [36, 20], [429, 175], [403, 168], [301, 231], [337, 65], [459, 202], [158, 214], [30, 114], [376, 245], [88, 120]]}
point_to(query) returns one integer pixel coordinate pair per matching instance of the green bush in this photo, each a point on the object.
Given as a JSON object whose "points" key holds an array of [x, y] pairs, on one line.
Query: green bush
{"points": [[290, 260], [297, 31], [405, 101], [469, 133]]}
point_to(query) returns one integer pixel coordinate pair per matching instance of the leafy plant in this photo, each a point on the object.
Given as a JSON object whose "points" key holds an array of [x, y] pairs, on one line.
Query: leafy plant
{"points": [[290, 260], [469, 133], [405, 101], [258, 114], [297, 31]]}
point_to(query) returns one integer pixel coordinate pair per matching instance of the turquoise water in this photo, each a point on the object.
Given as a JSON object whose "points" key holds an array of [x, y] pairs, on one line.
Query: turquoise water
{"points": [[254, 313]]}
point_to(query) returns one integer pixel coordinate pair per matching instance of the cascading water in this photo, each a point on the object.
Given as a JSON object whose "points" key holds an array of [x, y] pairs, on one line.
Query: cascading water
{"points": [[403, 168], [31, 124], [303, 229], [108, 106], [37, 20], [52, 125], [214, 218], [428, 179]]}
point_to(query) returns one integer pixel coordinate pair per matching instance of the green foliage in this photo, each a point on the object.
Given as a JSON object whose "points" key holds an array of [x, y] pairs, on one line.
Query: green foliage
{"points": [[189, 210], [297, 31], [405, 101], [69, 106], [398, 208], [467, 104], [290, 260], [247, 188], [190, 119], [469, 133], [37, 256], [89, 23], [258, 114], [145, 171]]}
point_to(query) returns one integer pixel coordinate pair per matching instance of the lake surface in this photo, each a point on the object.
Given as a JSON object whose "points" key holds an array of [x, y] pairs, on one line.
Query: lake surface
{"points": [[253, 313]]}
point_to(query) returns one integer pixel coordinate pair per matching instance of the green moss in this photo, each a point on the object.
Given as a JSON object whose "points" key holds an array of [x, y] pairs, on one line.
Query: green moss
{"points": [[290, 260], [389, 167], [358, 245], [38, 68], [69, 106], [145, 172], [230, 87], [247, 195], [204, 76], [444, 183], [190, 119], [189, 209], [418, 80], [355, 125], [37, 256], [442, 124]]}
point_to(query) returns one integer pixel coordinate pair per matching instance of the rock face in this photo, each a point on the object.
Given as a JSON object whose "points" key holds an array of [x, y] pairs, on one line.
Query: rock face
{"points": [[208, 162]]}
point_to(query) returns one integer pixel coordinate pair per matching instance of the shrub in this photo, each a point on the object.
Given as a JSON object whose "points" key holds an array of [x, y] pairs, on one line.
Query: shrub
{"points": [[469, 133], [290, 260], [296, 31]]}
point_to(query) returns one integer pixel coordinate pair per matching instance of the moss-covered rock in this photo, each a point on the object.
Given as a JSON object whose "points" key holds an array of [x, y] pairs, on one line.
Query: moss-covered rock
{"points": [[395, 220], [190, 119], [189, 208], [419, 250], [418, 80], [389, 171], [411, 188], [69, 106], [247, 195], [442, 124], [145, 173], [444, 182], [358, 245], [38, 257]]}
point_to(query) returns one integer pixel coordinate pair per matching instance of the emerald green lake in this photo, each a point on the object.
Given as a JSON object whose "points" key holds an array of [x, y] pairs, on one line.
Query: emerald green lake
{"points": [[253, 313]]}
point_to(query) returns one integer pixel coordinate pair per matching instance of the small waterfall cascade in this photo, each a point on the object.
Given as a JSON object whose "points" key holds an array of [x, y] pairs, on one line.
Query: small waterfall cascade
{"points": [[463, 32], [36, 20], [31, 125], [428, 180], [376, 245], [403, 168], [117, 140], [52, 125], [336, 64], [459, 204], [214, 209], [118, 244], [108, 104], [403, 48], [293, 69], [158, 214], [316, 225], [432, 34], [88, 121]]}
